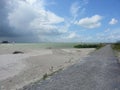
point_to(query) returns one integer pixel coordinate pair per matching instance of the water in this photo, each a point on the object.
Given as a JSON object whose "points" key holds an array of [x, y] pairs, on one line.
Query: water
{"points": [[42, 45]]}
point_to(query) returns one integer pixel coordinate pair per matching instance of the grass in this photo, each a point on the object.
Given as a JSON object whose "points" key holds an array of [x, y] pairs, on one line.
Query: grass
{"points": [[97, 46], [45, 76], [116, 46]]}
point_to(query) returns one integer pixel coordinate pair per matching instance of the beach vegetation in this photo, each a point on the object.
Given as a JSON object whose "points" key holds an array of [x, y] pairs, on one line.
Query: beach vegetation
{"points": [[45, 76], [97, 46], [116, 46]]}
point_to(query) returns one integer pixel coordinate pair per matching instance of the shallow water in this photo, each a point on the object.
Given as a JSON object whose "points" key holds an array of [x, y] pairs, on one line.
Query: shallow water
{"points": [[41, 45]]}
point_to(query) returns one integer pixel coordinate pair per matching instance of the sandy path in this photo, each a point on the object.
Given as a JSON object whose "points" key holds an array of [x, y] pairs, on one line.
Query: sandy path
{"points": [[99, 71], [22, 69]]}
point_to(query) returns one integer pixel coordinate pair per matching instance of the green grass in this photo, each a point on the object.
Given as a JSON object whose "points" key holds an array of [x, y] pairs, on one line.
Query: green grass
{"points": [[97, 46], [45, 76], [116, 46]]}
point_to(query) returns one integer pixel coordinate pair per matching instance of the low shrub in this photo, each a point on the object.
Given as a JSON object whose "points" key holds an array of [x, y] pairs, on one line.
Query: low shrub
{"points": [[116, 46], [97, 46]]}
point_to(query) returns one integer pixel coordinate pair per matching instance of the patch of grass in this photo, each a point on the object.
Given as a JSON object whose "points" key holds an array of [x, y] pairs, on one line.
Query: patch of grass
{"points": [[45, 76], [116, 46], [55, 71], [97, 46]]}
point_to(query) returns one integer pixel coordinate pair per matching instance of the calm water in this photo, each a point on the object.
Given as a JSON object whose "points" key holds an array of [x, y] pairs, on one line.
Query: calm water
{"points": [[43, 45]]}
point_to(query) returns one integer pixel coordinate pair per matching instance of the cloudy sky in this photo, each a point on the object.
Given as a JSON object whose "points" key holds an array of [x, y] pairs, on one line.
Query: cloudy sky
{"points": [[60, 20]]}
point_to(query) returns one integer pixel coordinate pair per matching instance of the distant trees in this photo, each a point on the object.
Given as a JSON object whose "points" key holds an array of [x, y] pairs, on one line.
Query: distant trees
{"points": [[97, 46]]}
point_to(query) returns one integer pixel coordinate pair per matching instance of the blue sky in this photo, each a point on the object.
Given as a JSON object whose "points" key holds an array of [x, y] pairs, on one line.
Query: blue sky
{"points": [[60, 20]]}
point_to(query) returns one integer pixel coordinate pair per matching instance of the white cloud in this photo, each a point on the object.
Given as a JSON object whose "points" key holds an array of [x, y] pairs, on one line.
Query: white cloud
{"points": [[112, 35], [71, 35], [113, 21], [78, 9], [31, 16], [27, 13], [74, 9], [90, 22]]}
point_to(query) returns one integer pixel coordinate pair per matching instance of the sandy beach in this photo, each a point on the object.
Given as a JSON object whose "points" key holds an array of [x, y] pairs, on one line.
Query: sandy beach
{"points": [[17, 70]]}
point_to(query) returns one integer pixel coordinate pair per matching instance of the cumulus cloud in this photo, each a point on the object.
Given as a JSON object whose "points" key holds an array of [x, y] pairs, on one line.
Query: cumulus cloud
{"points": [[113, 21], [30, 19], [90, 22], [5, 30], [33, 17]]}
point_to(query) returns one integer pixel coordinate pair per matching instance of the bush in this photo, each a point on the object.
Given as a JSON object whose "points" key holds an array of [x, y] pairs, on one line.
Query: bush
{"points": [[97, 46], [45, 76], [116, 46]]}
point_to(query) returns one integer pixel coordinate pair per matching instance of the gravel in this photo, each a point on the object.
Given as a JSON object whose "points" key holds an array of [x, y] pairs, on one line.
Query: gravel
{"points": [[99, 71]]}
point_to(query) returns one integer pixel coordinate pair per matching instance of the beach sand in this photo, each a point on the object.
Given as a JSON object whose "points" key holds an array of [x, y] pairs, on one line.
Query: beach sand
{"points": [[18, 70]]}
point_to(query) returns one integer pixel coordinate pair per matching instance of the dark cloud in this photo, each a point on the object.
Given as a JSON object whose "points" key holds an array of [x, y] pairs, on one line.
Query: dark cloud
{"points": [[5, 30], [9, 33], [20, 21]]}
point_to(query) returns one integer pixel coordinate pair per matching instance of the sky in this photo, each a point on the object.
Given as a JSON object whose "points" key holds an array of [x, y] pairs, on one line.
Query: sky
{"points": [[60, 20]]}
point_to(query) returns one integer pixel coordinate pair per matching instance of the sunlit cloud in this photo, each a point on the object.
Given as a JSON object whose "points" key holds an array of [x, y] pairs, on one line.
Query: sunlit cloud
{"points": [[90, 22], [31, 16], [113, 21], [48, 20]]}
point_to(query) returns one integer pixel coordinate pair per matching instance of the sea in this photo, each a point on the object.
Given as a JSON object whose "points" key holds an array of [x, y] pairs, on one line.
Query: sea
{"points": [[41, 45]]}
